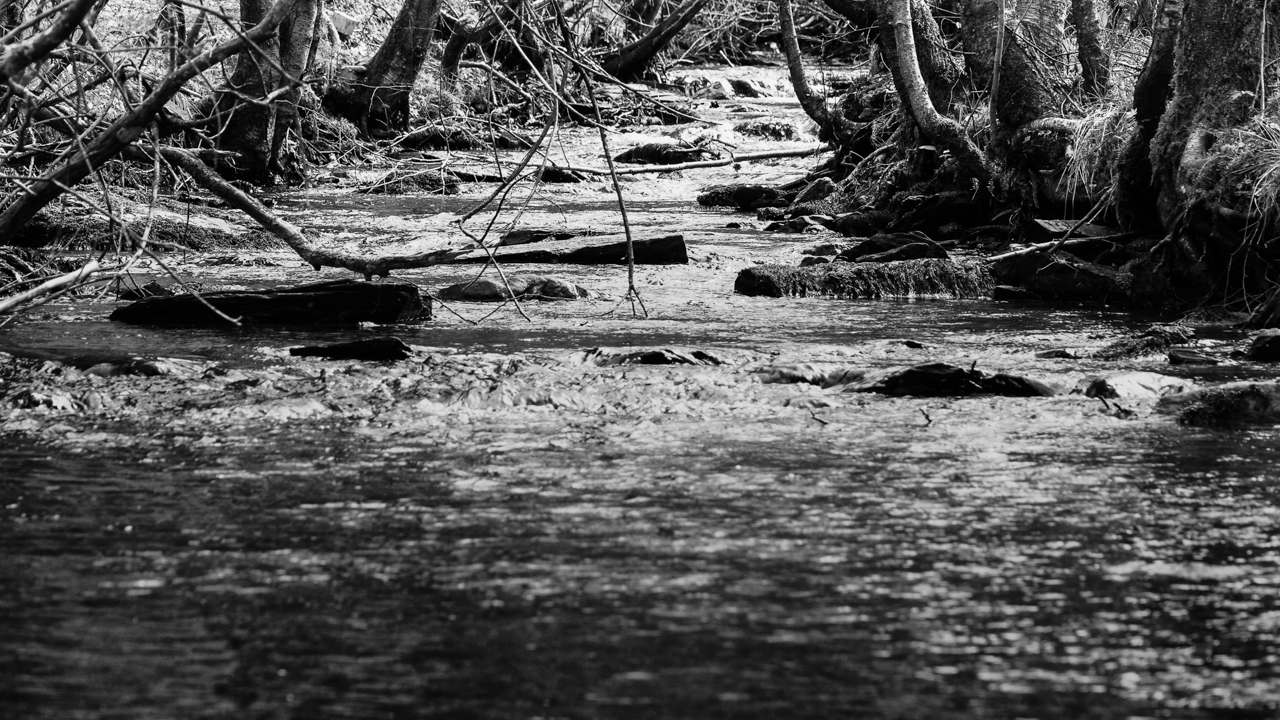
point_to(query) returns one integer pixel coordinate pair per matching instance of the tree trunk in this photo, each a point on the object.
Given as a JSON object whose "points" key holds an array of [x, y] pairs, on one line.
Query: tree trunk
{"points": [[942, 71], [1136, 193], [1095, 65], [1206, 154], [378, 103], [261, 102], [629, 62]]}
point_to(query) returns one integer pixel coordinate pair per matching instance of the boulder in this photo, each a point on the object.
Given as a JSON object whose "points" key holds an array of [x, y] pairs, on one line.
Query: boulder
{"points": [[1265, 348], [1134, 386], [1226, 406], [914, 251], [1154, 340], [744, 197], [883, 243], [1187, 356], [946, 380], [534, 287]]}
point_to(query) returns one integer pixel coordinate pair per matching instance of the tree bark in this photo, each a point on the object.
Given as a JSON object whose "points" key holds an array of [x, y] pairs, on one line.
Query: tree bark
{"points": [[256, 129], [1095, 65], [1136, 193], [629, 62], [1220, 243], [378, 103], [942, 71]]}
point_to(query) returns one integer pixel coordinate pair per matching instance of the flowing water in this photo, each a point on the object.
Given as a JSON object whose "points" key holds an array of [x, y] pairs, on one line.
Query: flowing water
{"points": [[496, 530]]}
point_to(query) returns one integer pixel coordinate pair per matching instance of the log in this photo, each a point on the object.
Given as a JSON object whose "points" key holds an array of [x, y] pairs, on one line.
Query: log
{"points": [[851, 281], [597, 250], [338, 302]]}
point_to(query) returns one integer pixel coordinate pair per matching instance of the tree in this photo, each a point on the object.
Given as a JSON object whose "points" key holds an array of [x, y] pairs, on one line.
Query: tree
{"points": [[260, 102], [377, 100]]}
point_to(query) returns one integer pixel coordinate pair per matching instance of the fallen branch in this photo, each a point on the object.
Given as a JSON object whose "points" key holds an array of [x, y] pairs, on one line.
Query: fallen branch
{"points": [[766, 155], [1053, 245], [49, 286], [292, 234]]}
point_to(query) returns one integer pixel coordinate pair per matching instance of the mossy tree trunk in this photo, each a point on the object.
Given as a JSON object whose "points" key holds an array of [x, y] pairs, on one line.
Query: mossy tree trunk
{"points": [[1206, 156], [378, 101]]}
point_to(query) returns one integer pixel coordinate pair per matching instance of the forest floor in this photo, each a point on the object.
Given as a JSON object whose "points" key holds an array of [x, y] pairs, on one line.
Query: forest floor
{"points": [[501, 527]]}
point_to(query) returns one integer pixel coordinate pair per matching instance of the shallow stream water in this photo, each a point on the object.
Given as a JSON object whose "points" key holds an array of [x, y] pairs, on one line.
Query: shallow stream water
{"points": [[495, 530]]}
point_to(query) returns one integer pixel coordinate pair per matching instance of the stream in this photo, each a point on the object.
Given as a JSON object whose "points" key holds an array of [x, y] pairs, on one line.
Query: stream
{"points": [[497, 529]]}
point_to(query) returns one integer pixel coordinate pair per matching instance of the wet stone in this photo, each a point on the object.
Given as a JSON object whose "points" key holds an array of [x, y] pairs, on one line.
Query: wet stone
{"points": [[1187, 356], [947, 380], [533, 287], [1134, 386], [1226, 406], [383, 349]]}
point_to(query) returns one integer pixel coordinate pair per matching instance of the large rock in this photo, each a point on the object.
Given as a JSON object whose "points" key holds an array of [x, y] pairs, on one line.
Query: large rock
{"points": [[1135, 386], [1062, 277], [909, 278], [1265, 347], [337, 302], [1226, 406], [914, 251], [744, 197], [946, 380], [883, 243], [535, 287]]}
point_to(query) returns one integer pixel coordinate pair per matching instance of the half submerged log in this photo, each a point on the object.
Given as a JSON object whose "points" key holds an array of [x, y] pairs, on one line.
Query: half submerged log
{"points": [[337, 302], [382, 349], [852, 281], [597, 250]]}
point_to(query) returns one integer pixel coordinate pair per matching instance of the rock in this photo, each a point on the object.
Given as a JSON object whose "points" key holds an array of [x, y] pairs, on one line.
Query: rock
{"points": [[822, 374], [659, 153], [946, 380], [606, 357], [1187, 356], [1061, 277], [748, 89], [1059, 354], [858, 224], [771, 214], [1043, 230], [801, 224], [826, 248], [146, 367], [1134, 386], [914, 251], [1226, 406], [594, 250], [720, 90], [883, 243], [909, 278], [1265, 348], [1010, 293], [1152, 341], [743, 197], [382, 349], [337, 302], [769, 129], [813, 260], [536, 287], [817, 190]]}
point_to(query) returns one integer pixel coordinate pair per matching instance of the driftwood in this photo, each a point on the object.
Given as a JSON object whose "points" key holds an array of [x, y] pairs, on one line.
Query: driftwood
{"points": [[84, 273], [597, 250], [338, 302]]}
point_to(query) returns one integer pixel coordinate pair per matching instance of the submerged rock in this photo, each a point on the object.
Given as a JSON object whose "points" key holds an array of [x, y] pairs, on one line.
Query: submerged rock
{"points": [[1134, 386], [908, 278], [532, 287], [947, 380], [804, 223], [1187, 356], [606, 357], [383, 349], [1226, 406]]}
